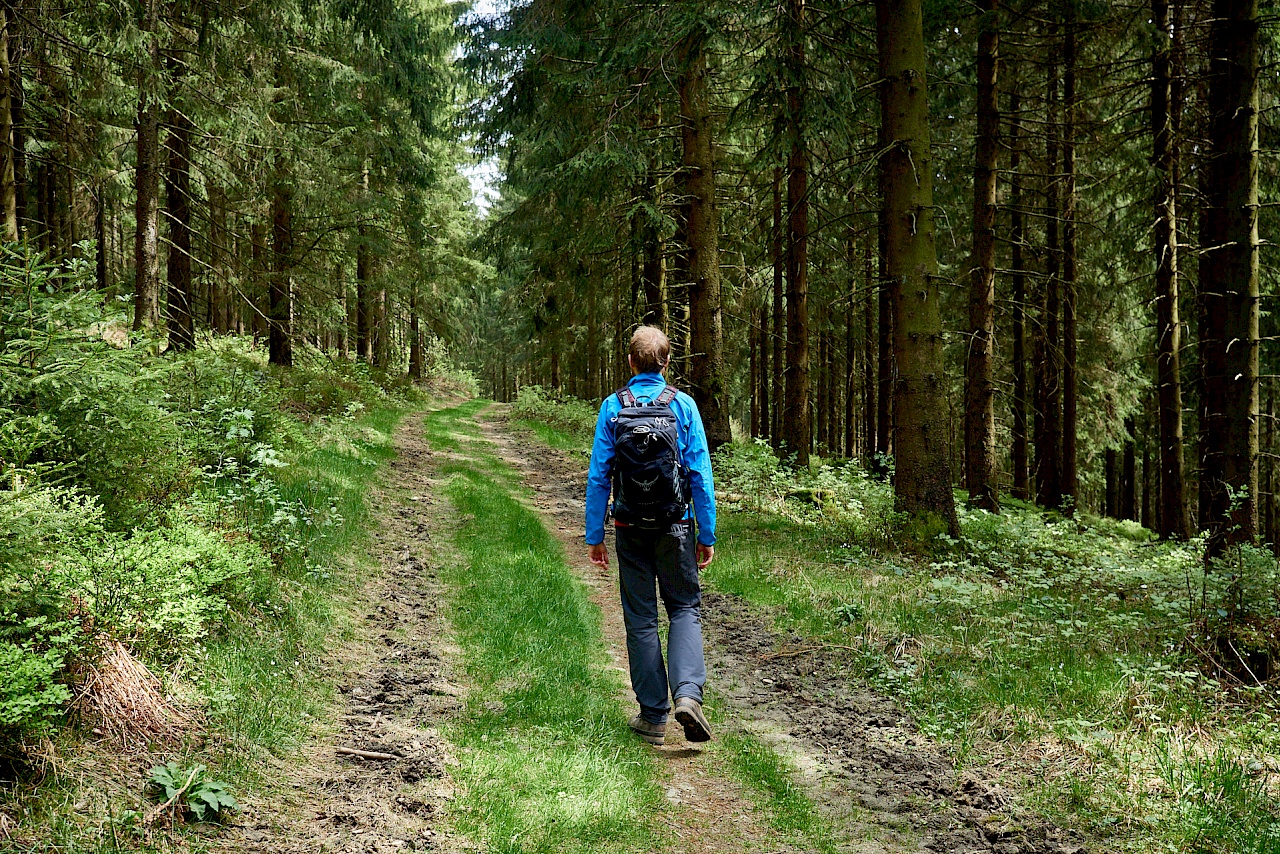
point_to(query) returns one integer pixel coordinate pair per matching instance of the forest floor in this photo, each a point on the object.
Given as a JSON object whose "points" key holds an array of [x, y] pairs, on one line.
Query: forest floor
{"points": [[805, 756]]}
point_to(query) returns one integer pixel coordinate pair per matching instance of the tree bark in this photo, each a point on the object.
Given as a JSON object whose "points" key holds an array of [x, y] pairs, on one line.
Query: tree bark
{"points": [[221, 309], [981, 475], [850, 344], [922, 483], [766, 411], [1229, 277], [1048, 361], [779, 319], [1017, 239], [280, 348], [1129, 473], [706, 333], [753, 374], [415, 339], [592, 342], [101, 272], [259, 295], [822, 395], [17, 112], [797, 436], [885, 368], [181, 325], [869, 361], [1174, 521], [1111, 481], [1070, 477], [146, 303], [8, 172]]}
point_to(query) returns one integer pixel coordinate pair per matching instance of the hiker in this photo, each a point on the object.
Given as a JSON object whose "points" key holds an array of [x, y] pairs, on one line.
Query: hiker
{"points": [[651, 449]]}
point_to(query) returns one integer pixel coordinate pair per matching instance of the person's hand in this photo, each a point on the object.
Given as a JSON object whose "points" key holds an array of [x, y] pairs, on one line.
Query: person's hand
{"points": [[599, 556], [705, 554]]}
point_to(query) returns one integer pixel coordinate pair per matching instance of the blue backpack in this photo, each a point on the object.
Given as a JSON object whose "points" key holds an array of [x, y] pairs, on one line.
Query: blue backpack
{"points": [[649, 489]]}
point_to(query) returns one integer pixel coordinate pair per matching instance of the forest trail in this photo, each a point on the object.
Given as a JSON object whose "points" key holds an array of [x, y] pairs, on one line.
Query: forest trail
{"points": [[882, 787], [396, 690], [879, 788]]}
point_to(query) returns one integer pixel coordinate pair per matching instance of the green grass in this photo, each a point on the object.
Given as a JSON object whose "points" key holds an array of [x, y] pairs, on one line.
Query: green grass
{"points": [[772, 780], [547, 763]]}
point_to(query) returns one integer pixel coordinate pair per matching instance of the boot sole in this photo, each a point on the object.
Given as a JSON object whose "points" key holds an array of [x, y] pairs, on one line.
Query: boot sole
{"points": [[648, 738], [694, 729]]}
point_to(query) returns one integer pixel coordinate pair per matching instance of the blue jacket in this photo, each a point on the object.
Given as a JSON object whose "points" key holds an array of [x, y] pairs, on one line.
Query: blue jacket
{"points": [[694, 456]]}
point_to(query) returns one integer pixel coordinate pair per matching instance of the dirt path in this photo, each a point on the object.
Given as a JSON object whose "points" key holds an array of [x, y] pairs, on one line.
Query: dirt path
{"points": [[883, 786], [396, 688]]}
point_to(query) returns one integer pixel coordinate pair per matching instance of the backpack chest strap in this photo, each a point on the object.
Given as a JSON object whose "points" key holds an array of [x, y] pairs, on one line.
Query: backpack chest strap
{"points": [[628, 400]]}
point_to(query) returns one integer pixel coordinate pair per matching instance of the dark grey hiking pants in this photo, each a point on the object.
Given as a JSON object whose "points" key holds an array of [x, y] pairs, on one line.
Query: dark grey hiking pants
{"points": [[668, 558]]}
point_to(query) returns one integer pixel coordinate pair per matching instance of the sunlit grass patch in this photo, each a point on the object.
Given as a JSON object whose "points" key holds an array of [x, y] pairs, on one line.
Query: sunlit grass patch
{"points": [[772, 780], [546, 762], [529, 794]]}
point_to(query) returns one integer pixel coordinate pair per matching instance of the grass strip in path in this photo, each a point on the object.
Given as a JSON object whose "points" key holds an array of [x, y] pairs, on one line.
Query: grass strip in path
{"points": [[546, 762]]}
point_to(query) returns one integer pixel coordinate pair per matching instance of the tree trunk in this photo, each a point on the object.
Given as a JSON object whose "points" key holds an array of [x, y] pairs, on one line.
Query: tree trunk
{"points": [[1048, 359], [850, 344], [221, 308], [1229, 277], [280, 351], [822, 396], [8, 172], [981, 476], [1174, 521], [101, 275], [1129, 474], [1017, 239], [1070, 478], [869, 362], [17, 103], [1111, 479], [753, 374], [415, 339], [796, 417], [259, 296], [653, 270], [765, 345], [922, 483], [706, 333], [593, 341], [779, 319], [885, 368], [181, 325], [146, 301]]}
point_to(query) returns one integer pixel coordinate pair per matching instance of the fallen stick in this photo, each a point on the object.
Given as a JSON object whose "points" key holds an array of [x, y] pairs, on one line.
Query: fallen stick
{"points": [[364, 754], [791, 653]]}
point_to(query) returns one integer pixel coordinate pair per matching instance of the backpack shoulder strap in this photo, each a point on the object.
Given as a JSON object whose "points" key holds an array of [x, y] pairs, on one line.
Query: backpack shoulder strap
{"points": [[625, 397], [664, 399]]}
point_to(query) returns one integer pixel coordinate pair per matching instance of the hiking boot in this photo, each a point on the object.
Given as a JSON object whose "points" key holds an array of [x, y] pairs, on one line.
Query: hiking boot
{"points": [[652, 733], [689, 714]]}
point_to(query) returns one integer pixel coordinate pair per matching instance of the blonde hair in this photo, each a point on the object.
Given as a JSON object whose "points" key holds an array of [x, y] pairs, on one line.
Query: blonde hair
{"points": [[650, 349]]}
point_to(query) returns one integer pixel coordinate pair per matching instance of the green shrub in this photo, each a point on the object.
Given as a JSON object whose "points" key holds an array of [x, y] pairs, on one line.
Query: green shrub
{"points": [[163, 588], [30, 694], [563, 412]]}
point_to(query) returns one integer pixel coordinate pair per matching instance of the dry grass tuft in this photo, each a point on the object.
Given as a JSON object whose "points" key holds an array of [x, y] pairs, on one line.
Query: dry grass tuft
{"points": [[125, 702]]}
